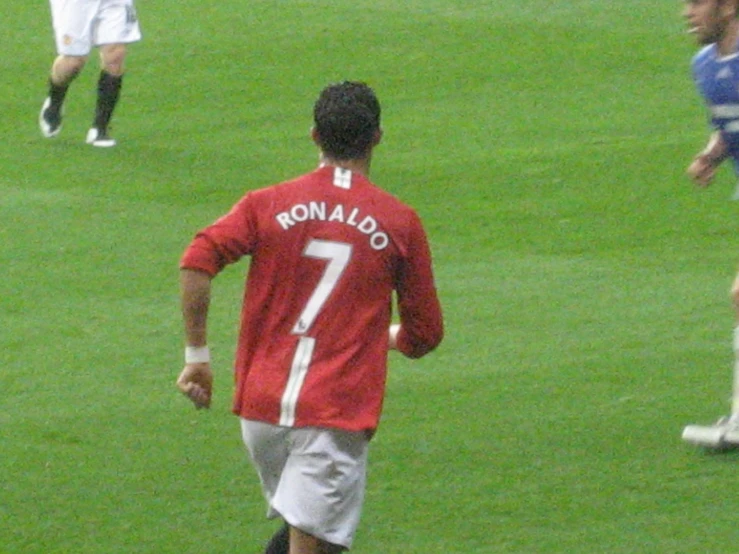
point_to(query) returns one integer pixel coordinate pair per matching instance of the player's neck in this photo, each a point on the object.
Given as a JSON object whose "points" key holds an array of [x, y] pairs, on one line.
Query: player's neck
{"points": [[361, 166], [728, 43]]}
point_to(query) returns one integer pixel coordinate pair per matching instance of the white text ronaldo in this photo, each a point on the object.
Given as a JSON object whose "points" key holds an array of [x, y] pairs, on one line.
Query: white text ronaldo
{"points": [[349, 216]]}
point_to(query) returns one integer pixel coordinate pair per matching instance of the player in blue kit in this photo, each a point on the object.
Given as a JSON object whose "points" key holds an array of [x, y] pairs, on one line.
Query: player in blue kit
{"points": [[715, 24], [716, 74]]}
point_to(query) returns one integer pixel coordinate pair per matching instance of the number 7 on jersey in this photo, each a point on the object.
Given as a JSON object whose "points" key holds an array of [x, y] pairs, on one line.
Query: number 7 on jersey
{"points": [[337, 255]]}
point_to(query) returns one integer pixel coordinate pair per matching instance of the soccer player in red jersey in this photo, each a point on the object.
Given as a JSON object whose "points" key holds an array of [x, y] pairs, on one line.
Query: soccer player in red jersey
{"points": [[327, 251]]}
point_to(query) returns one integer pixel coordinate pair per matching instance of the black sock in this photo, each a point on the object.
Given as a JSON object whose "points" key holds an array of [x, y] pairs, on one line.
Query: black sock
{"points": [[109, 89], [57, 93], [280, 542]]}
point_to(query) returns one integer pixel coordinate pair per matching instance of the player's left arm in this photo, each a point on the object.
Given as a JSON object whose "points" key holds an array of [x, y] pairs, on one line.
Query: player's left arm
{"points": [[421, 326], [392, 343]]}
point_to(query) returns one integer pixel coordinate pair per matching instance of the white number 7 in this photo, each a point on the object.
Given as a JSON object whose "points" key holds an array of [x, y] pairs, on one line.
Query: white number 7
{"points": [[338, 255]]}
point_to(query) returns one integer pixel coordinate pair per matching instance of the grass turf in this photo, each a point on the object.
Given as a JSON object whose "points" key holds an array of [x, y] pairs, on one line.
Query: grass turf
{"points": [[584, 281]]}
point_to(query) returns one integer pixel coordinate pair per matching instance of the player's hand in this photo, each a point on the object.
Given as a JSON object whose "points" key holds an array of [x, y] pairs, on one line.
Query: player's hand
{"points": [[702, 170], [196, 382], [393, 336]]}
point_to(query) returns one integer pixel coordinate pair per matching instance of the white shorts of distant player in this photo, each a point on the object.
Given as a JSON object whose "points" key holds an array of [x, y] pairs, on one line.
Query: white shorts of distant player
{"points": [[314, 478], [79, 25]]}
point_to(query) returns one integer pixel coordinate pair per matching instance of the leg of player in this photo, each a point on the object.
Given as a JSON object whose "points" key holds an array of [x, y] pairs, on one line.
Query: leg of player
{"points": [[280, 541], [732, 432], [303, 543], [108, 93], [725, 432], [63, 72]]}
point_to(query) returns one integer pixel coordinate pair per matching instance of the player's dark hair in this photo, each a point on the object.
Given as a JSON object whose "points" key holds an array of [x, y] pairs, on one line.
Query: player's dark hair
{"points": [[347, 118]]}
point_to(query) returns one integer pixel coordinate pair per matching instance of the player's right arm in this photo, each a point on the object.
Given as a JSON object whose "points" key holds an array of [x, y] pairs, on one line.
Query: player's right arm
{"points": [[196, 379], [703, 168], [224, 242]]}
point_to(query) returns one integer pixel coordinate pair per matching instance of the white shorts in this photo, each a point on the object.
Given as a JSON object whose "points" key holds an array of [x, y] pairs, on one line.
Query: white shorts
{"points": [[81, 24], [314, 478]]}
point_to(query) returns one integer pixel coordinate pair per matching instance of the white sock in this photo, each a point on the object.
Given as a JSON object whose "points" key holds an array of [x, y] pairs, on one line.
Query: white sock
{"points": [[735, 384]]}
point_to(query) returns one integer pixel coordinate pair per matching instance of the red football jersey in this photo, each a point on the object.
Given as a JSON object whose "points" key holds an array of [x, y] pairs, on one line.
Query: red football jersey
{"points": [[327, 250]]}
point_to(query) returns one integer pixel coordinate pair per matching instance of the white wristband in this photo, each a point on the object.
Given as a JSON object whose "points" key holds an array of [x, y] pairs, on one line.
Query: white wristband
{"points": [[197, 355]]}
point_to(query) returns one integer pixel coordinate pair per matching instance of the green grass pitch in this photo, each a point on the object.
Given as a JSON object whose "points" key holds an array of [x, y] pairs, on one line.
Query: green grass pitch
{"points": [[584, 280]]}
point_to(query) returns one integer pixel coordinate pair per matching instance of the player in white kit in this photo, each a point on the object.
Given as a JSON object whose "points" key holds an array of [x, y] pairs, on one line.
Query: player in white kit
{"points": [[80, 25]]}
